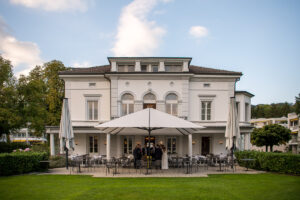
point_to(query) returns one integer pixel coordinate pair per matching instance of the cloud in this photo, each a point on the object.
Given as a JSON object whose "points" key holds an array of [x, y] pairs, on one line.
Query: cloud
{"points": [[82, 64], [54, 5], [24, 56], [198, 31], [136, 35]]}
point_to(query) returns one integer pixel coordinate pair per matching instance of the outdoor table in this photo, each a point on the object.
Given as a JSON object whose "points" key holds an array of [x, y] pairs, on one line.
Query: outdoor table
{"points": [[247, 160]]}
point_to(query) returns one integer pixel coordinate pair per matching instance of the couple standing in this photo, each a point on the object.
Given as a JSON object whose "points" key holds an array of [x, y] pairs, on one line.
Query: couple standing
{"points": [[158, 156]]}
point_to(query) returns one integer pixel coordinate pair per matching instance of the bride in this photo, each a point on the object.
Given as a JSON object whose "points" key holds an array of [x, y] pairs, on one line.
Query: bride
{"points": [[164, 160]]}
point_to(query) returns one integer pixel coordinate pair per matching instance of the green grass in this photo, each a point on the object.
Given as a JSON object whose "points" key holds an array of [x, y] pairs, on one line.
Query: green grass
{"points": [[236, 186]]}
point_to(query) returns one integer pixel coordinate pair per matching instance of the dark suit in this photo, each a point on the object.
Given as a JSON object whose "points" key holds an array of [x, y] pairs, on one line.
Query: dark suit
{"points": [[137, 154], [158, 156]]}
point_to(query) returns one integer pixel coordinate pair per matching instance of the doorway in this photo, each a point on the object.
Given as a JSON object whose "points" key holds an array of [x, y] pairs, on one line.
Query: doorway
{"points": [[205, 145], [149, 105]]}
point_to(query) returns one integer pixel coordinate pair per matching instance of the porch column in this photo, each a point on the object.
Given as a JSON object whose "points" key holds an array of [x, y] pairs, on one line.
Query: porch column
{"points": [[190, 150], [108, 145], [52, 145]]}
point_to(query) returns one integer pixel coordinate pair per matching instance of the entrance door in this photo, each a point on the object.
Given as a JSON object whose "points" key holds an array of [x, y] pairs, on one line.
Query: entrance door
{"points": [[149, 105], [152, 140], [205, 146]]}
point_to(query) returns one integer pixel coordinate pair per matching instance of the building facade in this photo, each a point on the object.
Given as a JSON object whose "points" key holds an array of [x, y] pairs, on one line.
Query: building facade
{"points": [[129, 84]]}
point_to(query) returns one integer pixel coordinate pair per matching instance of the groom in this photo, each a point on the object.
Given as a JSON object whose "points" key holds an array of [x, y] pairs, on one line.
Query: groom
{"points": [[158, 156]]}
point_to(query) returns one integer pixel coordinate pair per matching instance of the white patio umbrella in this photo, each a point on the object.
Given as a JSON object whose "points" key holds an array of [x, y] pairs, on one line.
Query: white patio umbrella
{"points": [[66, 134], [149, 121], [232, 133]]}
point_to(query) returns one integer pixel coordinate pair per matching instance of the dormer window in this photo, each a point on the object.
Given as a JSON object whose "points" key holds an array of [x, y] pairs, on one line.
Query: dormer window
{"points": [[144, 68], [154, 68], [172, 68]]}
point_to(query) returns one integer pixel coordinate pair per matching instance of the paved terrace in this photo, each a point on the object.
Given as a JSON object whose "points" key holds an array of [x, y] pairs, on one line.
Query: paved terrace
{"points": [[175, 172]]}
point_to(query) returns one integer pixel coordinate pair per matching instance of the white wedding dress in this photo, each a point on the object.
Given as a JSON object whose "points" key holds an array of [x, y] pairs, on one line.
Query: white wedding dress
{"points": [[164, 160]]}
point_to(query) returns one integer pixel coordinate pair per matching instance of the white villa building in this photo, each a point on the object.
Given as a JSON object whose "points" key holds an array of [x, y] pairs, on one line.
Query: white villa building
{"points": [[169, 84]]}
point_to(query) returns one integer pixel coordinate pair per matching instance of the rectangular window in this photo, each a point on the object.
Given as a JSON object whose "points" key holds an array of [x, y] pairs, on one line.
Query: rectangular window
{"points": [[93, 141], [205, 110], [121, 68], [130, 68], [171, 145], [127, 145], [127, 108], [154, 68], [206, 85], [92, 109], [144, 68], [172, 108]]}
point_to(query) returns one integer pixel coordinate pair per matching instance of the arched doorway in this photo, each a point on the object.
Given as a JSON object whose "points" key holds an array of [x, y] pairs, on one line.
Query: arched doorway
{"points": [[149, 101]]}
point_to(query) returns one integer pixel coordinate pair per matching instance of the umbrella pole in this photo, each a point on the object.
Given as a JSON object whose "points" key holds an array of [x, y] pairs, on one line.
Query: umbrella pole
{"points": [[148, 149]]}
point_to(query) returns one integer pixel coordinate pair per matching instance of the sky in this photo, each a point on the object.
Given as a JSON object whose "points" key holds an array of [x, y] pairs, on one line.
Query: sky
{"points": [[260, 38]]}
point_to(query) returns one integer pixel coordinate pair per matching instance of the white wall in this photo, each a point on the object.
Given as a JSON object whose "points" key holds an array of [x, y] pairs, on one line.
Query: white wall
{"points": [[77, 88]]}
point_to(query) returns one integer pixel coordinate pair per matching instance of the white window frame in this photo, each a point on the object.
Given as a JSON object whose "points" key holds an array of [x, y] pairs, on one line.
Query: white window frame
{"points": [[128, 150], [91, 97], [93, 147], [205, 115], [172, 103], [172, 150], [207, 97], [127, 103]]}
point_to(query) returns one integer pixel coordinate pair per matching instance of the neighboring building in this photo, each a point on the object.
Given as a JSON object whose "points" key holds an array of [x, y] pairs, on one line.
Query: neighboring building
{"points": [[293, 124], [129, 84], [23, 135]]}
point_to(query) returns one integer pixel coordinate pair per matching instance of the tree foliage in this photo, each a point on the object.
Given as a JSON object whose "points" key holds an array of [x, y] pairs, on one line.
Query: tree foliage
{"points": [[270, 135], [32, 101], [297, 104], [9, 114], [271, 110]]}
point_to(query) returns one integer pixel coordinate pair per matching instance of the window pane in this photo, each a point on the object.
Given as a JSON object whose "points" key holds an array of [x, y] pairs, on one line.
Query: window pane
{"points": [[169, 145], [95, 144], [155, 68], [208, 105], [127, 97], [125, 145], [144, 68], [121, 68], [131, 108], [95, 110], [168, 108], [130, 145], [91, 144], [130, 68], [171, 96], [124, 109], [174, 145], [175, 109], [90, 110]]}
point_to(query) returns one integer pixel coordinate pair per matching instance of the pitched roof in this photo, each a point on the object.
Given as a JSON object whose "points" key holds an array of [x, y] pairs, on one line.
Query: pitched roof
{"points": [[205, 70], [106, 69]]}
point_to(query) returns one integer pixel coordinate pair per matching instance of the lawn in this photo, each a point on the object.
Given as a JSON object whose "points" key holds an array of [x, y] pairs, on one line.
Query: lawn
{"points": [[259, 186]]}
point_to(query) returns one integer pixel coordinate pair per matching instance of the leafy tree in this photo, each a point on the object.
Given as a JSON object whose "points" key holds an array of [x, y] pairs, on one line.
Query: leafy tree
{"points": [[32, 92], [270, 135], [9, 114], [297, 104], [55, 91], [271, 110]]}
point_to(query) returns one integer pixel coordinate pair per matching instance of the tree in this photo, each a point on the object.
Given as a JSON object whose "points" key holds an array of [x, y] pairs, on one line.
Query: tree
{"points": [[9, 114], [297, 104], [55, 91], [31, 93], [270, 135]]}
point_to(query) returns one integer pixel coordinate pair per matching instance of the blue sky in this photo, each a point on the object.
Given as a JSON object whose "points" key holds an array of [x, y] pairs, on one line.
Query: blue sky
{"points": [[259, 37]]}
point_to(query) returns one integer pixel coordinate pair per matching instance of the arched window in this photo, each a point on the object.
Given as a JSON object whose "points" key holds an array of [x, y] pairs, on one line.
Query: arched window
{"points": [[172, 104], [127, 104]]}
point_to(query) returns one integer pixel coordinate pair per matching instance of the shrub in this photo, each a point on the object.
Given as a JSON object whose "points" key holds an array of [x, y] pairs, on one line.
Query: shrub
{"points": [[21, 162], [57, 161], [9, 147], [273, 162]]}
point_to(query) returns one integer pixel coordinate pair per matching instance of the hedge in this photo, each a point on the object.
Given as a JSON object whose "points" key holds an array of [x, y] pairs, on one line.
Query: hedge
{"points": [[21, 162], [270, 161], [9, 147]]}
